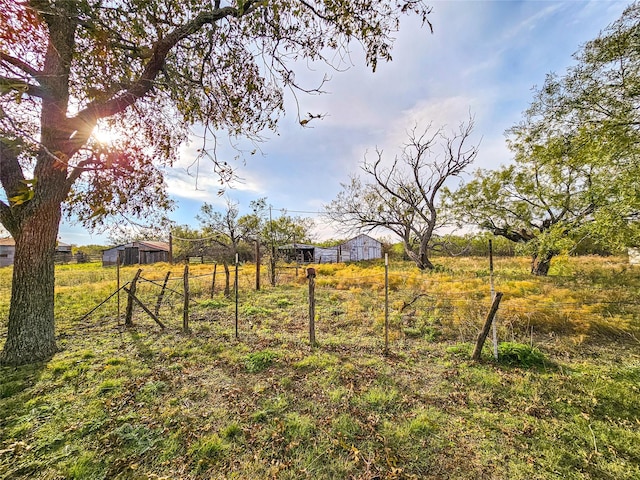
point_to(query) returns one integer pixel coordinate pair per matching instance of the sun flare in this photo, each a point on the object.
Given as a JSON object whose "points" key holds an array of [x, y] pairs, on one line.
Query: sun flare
{"points": [[105, 135]]}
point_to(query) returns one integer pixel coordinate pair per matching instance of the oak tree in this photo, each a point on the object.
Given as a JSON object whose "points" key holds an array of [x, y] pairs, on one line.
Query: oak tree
{"points": [[544, 200]]}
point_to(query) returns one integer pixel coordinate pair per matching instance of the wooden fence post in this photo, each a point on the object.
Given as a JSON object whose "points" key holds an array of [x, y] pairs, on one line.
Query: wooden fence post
{"points": [[227, 290], [482, 336], [144, 307], [493, 294], [185, 310], [311, 275], [118, 283], [128, 319], [272, 262], [213, 280], [170, 248], [161, 296]]}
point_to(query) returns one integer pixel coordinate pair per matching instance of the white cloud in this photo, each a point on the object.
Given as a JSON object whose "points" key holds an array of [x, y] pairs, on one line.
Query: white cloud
{"points": [[530, 23]]}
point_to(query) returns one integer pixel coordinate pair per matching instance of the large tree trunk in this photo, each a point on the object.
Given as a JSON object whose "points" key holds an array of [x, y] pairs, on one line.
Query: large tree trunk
{"points": [[540, 264], [420, 259], [31, 330]]}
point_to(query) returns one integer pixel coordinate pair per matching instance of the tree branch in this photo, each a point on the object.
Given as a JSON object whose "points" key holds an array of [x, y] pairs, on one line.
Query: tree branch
{"points": [[6, 217], [138, 89], [11, 175], [19, 85], [22, 65]]}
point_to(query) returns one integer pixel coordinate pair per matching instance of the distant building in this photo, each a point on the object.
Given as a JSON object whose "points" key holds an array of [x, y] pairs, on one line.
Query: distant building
{"points": [[143, 253], [362, 247], [63, 253], [8, 251], [634, 256]]}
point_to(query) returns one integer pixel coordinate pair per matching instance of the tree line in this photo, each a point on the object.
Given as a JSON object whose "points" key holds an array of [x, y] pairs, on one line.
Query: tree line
{"points": [[223, 233]]}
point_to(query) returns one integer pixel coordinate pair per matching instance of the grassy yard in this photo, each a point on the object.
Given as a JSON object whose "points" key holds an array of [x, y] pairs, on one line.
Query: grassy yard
{"points": [[563, 401]]}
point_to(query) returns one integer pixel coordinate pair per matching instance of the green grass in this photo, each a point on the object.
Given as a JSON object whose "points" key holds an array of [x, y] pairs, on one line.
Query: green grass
{"points": [[562, 402]]}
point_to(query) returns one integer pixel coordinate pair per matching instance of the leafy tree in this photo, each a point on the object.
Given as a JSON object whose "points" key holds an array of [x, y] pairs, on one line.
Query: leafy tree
{"points": [[598, 98], [287, 229], [405, 197], [600, 90], [544, 200], [187, 242], [576, 175], [222, 227], [150, 68]]}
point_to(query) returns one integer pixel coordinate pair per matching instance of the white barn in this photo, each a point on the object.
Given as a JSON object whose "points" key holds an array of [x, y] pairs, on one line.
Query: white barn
{"points": [[362, 247]]}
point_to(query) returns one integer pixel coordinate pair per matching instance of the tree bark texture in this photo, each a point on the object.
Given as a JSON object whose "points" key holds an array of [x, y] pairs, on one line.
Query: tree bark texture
{"points": [[31, 326]]}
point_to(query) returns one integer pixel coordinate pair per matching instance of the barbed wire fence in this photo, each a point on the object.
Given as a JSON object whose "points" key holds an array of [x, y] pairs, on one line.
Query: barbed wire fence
{"points": [[411, 306]]}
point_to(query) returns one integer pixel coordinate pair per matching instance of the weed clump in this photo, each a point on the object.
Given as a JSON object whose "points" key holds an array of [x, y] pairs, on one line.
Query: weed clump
{"points": [[259, 361], [213, 303], [208, 451], [520, 354]]}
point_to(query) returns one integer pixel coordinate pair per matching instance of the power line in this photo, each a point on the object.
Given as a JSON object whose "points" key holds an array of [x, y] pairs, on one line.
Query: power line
{"points": [[212, 237], [308, 212]]}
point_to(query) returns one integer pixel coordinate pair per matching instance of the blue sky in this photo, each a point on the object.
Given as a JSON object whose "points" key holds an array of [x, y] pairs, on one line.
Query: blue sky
{"points": [[483, 58]]}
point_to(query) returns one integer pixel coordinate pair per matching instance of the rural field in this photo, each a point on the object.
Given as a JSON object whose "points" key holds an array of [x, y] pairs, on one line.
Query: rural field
{"points": [[140, 402]]}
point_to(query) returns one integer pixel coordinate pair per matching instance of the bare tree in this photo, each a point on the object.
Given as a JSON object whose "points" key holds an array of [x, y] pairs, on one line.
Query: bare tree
{"points": [[404, 198]]}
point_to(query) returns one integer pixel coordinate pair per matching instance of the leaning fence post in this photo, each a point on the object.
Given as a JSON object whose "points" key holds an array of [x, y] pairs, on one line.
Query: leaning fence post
{"points": [[161, 296], [257, 264], [118, 283], [311, 275], [482, 336], [185, 310], [128, 319]]}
